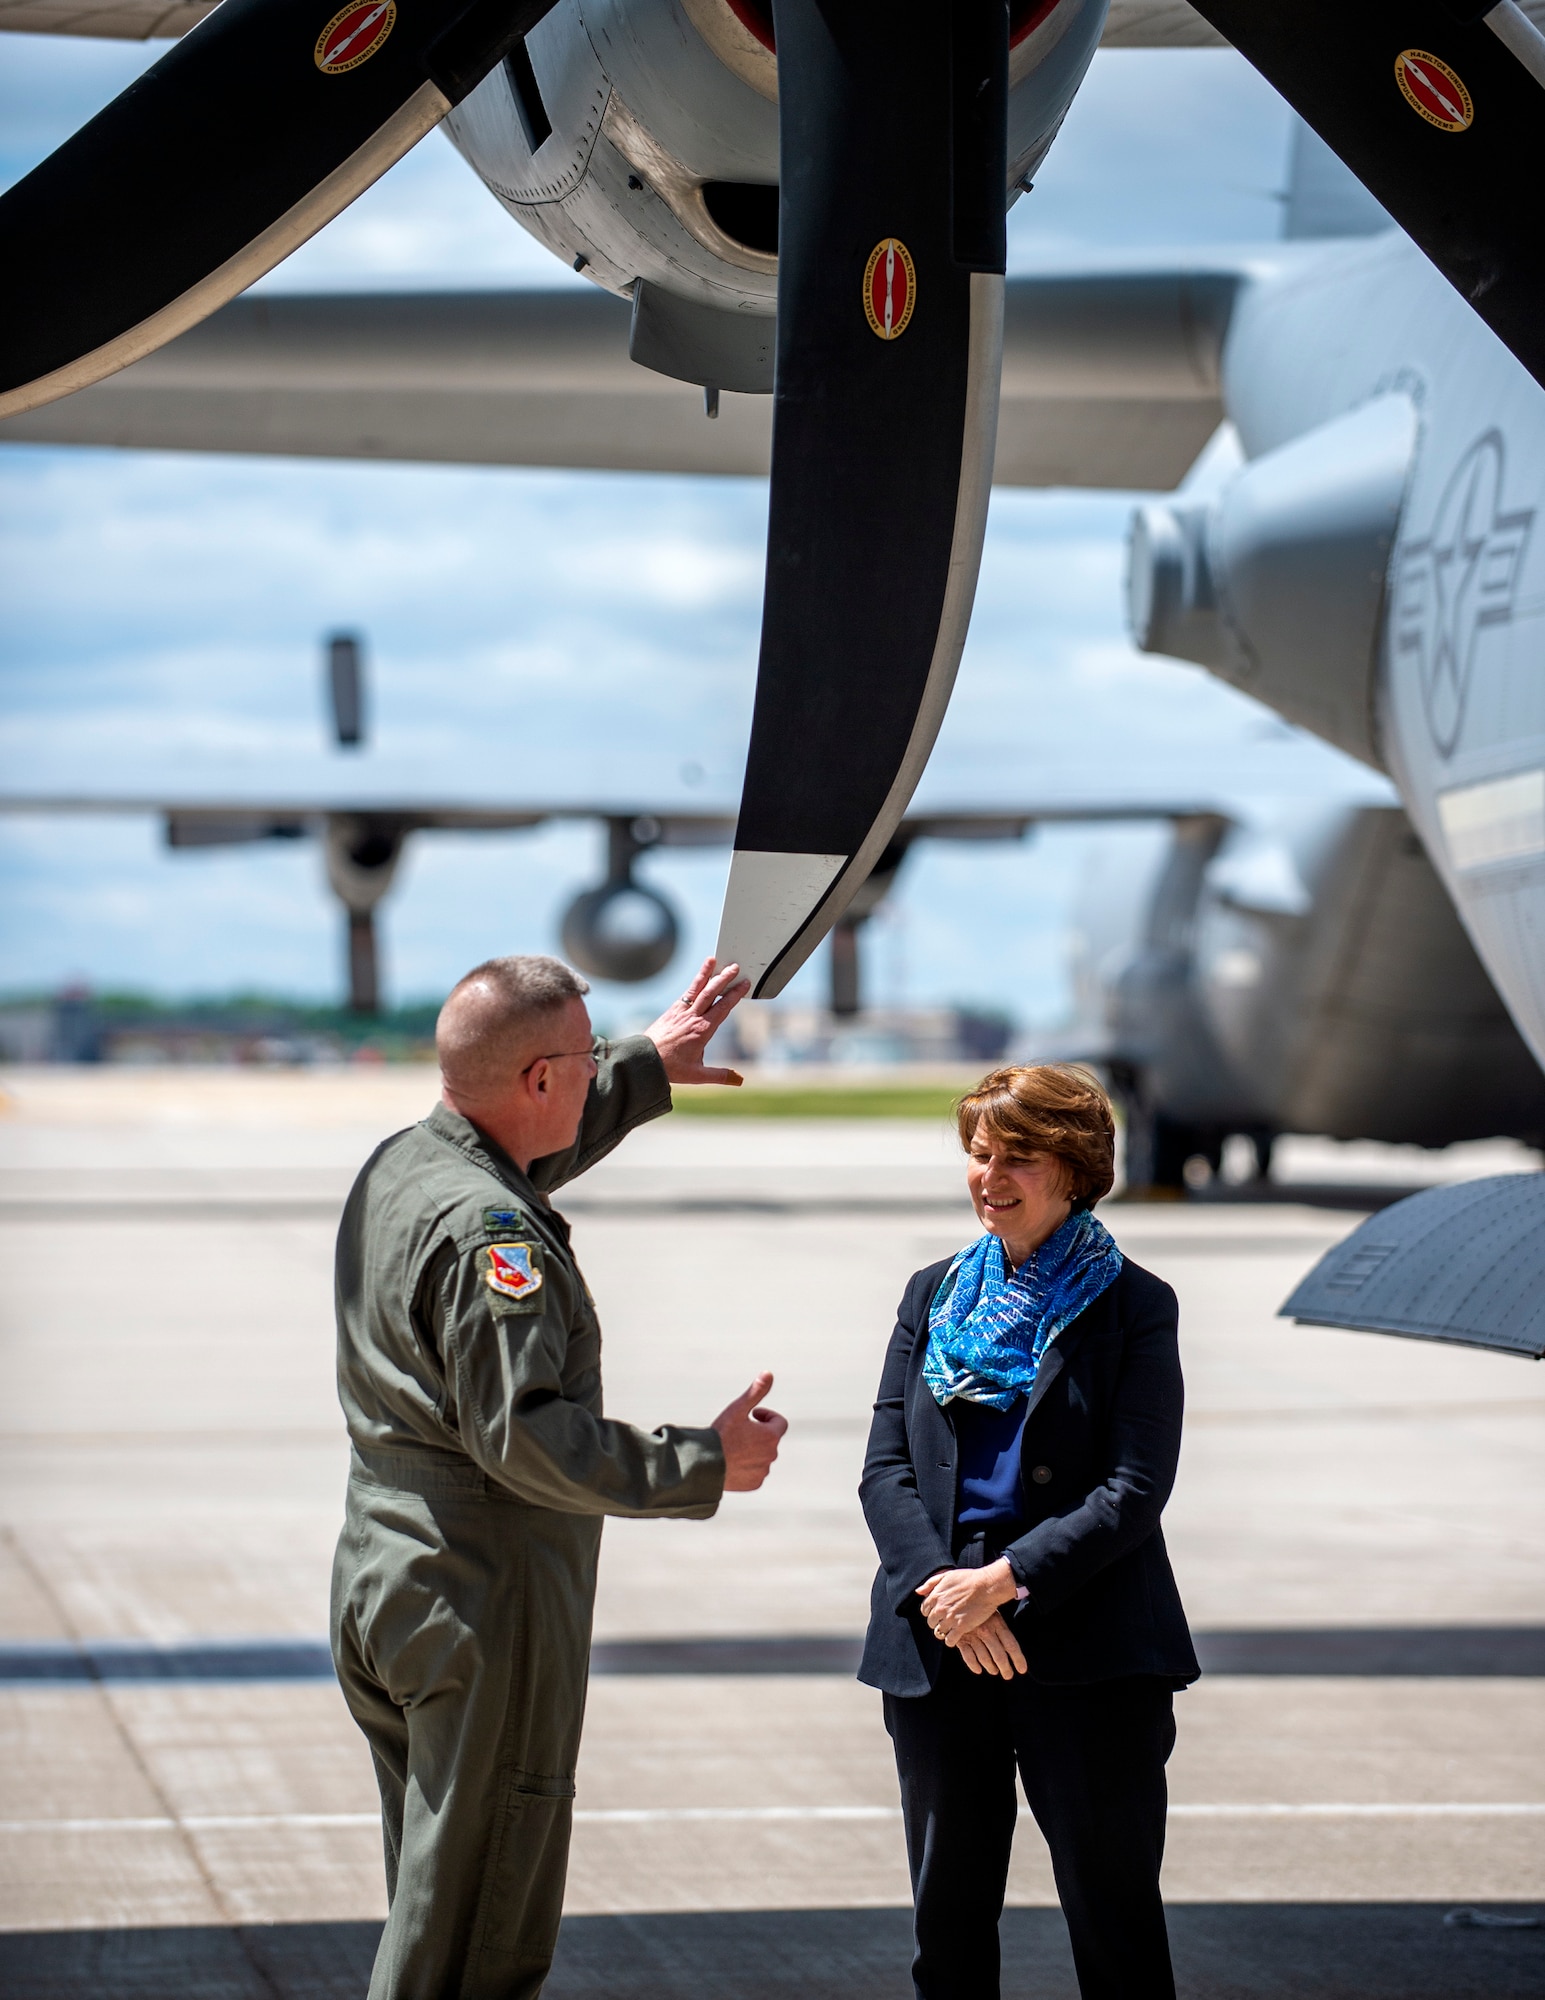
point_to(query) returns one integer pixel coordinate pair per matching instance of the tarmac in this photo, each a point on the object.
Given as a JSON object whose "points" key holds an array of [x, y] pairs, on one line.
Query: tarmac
{"points": [[186, 1809]]}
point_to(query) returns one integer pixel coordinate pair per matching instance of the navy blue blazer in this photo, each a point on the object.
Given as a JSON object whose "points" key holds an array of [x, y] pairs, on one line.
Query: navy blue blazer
{"points": [[1102, 1438]]}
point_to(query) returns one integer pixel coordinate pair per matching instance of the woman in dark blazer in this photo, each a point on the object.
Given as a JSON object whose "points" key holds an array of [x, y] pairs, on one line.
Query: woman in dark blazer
{"points": [[1024, 1443]]}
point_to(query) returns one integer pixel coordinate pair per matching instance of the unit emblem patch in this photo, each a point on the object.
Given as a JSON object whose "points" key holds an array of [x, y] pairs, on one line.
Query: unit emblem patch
{"points": [[353, 35], [890, 288], [1433, 90], [513, 1270]]}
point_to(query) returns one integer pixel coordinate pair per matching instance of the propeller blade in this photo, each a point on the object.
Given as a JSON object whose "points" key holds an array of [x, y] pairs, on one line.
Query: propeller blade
{"points": [[1438, 116], [263, 123], [891, 251]]}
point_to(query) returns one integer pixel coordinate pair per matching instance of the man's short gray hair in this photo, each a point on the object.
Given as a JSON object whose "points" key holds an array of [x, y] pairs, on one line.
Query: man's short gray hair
{"points": [[493, 1018]]}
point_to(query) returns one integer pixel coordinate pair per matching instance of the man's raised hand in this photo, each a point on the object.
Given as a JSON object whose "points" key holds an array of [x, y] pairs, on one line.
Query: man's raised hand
{"points": [[750, 1437], [687, 1026]]}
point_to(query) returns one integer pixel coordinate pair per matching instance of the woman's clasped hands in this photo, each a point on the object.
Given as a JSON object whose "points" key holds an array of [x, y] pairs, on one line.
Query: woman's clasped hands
{"points": [[961, 1607]]}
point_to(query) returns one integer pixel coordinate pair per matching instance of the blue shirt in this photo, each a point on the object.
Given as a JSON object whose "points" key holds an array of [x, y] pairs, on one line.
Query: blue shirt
{"points": [[989, 1444]]}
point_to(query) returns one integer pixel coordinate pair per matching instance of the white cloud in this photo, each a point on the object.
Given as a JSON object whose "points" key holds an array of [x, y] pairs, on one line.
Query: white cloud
{"points": [[681, 573]]}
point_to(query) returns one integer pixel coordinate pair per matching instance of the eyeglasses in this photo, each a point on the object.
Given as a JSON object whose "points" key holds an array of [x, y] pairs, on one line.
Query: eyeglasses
{"points": [[563, 1055]]}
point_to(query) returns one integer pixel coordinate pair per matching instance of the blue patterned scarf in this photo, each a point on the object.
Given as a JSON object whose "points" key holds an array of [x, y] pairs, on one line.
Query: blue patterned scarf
{"points": [[987, 1331]]}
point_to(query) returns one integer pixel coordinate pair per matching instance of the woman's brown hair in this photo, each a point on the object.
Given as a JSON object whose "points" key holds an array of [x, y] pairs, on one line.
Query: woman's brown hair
{"points": [[1054, 1108]]}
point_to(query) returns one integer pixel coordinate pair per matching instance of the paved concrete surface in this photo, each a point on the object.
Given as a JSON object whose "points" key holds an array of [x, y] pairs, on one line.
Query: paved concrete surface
{"points": [[1354, 1517]]}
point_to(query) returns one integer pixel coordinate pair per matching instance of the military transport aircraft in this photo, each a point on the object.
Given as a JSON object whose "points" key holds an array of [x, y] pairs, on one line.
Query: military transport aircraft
{"points": [[619, 929], [1354, 546]]}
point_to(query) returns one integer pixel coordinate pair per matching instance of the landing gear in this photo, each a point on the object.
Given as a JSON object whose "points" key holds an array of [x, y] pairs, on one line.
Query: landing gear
{"points": [[1168, 1157], [1158, 1150], [362, 853], [846, 982], [1261, 1141]]}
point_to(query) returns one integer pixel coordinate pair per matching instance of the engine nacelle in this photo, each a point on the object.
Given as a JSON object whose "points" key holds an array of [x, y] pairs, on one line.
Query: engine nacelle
{"points": [[1278, 583], [638, 139], [361, 852], [620, 929]]}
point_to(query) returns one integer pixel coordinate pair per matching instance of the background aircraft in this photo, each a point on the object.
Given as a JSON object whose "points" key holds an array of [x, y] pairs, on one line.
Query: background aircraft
{"points": [[618, 929], [1300, 970]]}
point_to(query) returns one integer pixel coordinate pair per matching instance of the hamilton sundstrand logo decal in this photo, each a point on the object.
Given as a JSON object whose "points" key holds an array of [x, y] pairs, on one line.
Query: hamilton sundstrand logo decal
{"points": [[353, 35], [1455, 581], [1434, 90], [890, 288]]}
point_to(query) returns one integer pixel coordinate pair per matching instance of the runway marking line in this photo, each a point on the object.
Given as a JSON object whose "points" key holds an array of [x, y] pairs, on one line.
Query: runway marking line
{"points": [[652, 1815]]}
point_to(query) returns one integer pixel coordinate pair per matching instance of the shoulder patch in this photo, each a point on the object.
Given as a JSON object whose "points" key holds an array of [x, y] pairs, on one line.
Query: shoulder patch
{"points": [[499, 1220], [513, 1270]]}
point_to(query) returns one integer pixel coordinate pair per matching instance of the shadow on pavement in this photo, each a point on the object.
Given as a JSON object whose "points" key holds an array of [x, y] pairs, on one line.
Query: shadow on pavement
{"points": [[1223, 1951], [1430, 1651], [1359, 1197]]}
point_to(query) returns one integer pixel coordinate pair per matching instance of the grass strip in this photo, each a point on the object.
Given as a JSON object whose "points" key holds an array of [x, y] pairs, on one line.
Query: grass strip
{"points": [[927, 1100]]}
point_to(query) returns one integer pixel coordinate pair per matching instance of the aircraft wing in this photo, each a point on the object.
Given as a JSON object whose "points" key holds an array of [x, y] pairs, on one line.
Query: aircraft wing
{"points": [[229, 822], [1110, 379], [209, 822], [111, 20]]}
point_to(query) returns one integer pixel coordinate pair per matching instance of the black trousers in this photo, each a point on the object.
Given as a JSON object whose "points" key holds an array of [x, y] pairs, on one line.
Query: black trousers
{"points": [[1092, 1763]]}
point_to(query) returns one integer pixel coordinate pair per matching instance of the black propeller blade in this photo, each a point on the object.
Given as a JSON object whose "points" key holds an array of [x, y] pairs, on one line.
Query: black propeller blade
{"points": [[891, 250], [261, 125], [1437, 117]]}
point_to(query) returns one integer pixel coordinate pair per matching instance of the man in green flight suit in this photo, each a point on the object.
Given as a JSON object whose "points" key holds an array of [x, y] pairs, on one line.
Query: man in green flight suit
{"points": [[469, 1371]]}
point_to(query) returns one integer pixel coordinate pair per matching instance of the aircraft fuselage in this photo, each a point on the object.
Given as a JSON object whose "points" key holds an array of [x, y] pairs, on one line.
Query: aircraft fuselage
{"points": [[1455, 675]]}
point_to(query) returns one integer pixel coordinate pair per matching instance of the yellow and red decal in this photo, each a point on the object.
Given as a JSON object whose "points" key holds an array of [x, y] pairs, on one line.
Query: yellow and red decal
{"points": [[353, 35], [1434, 91], [890, 288]]}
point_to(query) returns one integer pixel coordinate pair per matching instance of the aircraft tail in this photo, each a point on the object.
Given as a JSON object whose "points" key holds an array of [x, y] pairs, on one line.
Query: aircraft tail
{"points": [[1324, 197], [1461, 1263]]}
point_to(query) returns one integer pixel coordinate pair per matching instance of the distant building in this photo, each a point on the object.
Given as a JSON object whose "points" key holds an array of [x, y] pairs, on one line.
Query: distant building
{"points": [[77, 1026], [27, 1032]]}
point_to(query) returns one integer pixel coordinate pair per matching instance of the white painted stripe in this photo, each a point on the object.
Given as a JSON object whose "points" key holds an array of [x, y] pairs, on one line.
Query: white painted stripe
{"points": [[24, 1827], [767, 900], [647, 1815], [654, 1815], [1438, 1809], [190, 1823], [1500, 820]]}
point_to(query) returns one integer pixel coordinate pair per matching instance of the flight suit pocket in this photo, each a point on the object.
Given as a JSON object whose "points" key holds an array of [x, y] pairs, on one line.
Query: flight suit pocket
{"points": [[521, 1785], [521, 1905]]}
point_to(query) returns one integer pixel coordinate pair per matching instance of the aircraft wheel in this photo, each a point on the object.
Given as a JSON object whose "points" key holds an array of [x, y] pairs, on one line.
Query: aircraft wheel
{"points": [[1158, 1149]]}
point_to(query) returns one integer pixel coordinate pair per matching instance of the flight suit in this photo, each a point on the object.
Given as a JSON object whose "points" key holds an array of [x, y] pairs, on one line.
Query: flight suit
{"points": [[469, 1371]]}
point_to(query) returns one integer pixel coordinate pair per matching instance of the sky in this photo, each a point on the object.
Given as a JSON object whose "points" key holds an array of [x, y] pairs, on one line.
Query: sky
{"points": [[570, 636]]}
